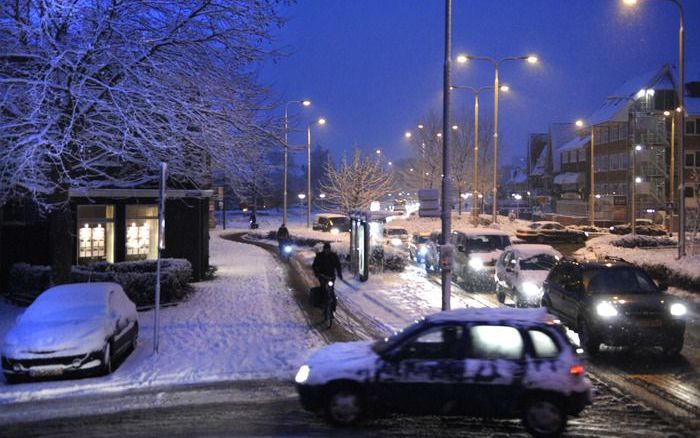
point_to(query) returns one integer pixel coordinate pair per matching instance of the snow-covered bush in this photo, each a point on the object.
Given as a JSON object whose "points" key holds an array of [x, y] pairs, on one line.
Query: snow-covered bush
{"points": [[137, 278], [637, 241], [395, 260]]}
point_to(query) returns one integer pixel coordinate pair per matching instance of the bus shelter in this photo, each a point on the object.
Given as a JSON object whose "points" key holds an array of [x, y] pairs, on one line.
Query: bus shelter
{"points": [[366, 237]]}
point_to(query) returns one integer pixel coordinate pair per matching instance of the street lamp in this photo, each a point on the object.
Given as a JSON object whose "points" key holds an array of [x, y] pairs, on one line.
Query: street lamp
{"points": [[681, 124], [304, 102], [320, 121], [475, 175], [496, 64]]}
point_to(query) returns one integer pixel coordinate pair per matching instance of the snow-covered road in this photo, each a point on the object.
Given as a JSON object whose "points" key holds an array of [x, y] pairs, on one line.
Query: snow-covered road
{"points": [[244, 324]]}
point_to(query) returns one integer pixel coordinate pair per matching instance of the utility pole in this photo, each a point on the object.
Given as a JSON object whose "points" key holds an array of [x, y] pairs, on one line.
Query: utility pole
{"points": [[445, 248]]}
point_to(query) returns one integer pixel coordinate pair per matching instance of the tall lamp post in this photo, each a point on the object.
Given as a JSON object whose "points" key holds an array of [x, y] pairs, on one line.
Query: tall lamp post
{"points": [[304, 102], [320, 121], [475, 178], [681, 124], [591, 194], [496, 64]]}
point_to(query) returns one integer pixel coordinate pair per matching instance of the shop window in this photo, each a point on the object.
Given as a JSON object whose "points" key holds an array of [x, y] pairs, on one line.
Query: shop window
{"points": [[689, 159], [141, 232], [95, 233]]}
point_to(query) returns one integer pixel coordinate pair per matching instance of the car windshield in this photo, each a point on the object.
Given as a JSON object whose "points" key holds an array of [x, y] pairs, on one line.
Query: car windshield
{"points": [[539, 262], [63, 313], [396, 232], [339, 221], [486, 243], [534, 226], [386, 344], [618, 280], [422, 239]]}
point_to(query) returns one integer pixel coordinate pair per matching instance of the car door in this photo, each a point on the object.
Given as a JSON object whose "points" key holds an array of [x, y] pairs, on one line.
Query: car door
{"points": [[553, 289], [424, 373], [494, 369], [572, 293]]}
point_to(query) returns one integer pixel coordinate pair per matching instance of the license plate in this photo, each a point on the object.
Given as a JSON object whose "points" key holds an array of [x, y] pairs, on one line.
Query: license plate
{"points": [[44, 371], [650, 323]]}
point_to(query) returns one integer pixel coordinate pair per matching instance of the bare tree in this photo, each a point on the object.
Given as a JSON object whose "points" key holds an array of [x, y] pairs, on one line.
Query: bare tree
{"points": [[355, 184], [97, 93]]}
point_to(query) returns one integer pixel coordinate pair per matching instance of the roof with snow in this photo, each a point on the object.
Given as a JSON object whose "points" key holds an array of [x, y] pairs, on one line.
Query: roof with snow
{"points": [[481, 232], [616, 107], [527, 250], [537, 315], [538, 170]]}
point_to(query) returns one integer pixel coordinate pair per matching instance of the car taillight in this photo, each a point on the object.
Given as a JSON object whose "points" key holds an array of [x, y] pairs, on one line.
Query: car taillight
{"points": [[577, 370]]}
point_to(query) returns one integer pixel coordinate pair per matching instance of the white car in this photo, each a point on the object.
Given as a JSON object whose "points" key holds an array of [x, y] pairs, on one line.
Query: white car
{"points": [[521, 271], [503, 362], [70, 329], [475, 255]]}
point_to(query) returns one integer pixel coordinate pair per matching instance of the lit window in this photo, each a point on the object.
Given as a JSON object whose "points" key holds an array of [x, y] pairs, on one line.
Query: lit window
{"points": [[95, 233], [141, 232]]}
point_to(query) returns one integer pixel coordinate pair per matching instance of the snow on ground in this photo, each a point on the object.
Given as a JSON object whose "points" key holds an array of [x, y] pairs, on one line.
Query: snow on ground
{"points": [[244, 324]]}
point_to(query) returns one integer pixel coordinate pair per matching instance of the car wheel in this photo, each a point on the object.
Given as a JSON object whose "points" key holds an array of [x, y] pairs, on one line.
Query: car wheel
{"points": [[544, 417], [107, 359], [588, 340], [500, 295], [673, 348], [344, 405]]}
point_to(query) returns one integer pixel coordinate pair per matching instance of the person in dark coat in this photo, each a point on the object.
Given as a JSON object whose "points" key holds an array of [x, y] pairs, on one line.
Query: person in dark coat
{"points": [[326, 264]]}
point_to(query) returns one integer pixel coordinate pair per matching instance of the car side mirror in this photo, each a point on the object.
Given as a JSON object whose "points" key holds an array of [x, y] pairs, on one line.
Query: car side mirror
{"points": [[663, 286], [460, 248]]}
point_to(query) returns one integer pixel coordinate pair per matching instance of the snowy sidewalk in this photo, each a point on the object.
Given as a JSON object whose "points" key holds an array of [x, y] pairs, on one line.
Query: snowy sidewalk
{"points": [[244, 324]]}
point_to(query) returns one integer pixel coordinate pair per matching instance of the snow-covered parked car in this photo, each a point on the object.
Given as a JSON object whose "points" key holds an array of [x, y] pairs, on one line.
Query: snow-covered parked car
{"points": [[503, 362], [521, 270], [71, 329], [549, 231]]}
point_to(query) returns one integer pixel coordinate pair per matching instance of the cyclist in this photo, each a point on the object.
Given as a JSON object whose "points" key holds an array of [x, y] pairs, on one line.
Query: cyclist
{"points": [[282, 238], [326, 265]]}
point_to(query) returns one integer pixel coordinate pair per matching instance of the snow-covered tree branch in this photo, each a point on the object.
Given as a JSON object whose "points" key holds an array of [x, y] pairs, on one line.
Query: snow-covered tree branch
{"points": [[355, 184], [96, 93]]}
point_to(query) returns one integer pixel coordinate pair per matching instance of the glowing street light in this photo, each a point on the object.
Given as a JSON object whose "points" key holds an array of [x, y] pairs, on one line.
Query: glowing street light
{"points": [[408, 134], [462, 59]]}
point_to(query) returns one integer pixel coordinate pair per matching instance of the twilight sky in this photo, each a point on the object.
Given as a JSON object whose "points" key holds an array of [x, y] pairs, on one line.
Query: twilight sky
{"points": [[373, 68]]}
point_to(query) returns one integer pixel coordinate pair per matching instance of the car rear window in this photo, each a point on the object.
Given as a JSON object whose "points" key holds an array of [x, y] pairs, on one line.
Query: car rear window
{"points": [[495, 342], [620, 280], [543, 344]]}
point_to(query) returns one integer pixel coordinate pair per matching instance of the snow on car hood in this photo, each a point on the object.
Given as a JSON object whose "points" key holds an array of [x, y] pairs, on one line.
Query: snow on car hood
{"points": [[351, 360], [56, 338]]}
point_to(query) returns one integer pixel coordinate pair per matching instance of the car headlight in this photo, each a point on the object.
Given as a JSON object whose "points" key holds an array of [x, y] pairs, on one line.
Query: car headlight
{"points": [[612, 228], [395, 241], [585, 233], [423, 250], [288, 249], [530, 288], [476, 263], [678, 309], [606, 310], [303, 374], [335, 231]]}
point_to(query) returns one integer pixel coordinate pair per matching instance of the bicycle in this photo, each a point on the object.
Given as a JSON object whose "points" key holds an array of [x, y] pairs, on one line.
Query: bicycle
{"points": [[329, 301]]}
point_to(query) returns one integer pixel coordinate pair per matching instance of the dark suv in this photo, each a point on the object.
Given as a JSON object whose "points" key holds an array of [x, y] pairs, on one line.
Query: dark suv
{"points": [[615, 303]]}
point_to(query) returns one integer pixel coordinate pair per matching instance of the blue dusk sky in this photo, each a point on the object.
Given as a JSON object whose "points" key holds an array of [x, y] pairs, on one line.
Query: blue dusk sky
{"points": [[374, 68]]}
